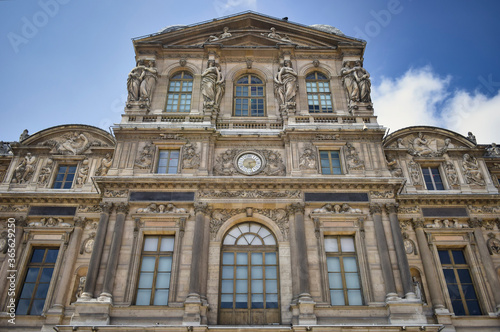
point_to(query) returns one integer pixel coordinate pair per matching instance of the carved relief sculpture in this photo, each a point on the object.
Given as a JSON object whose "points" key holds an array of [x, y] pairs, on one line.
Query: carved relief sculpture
{"points": [[25, 169], [225, 34], [75, 143], [45, 172], [88, 244], [285, 87], [83, 173], [394, 167], [212, 87], [451, 173], [225, 163], [493, 244], [145, 160], [275, 35], [471, 170], [353, 161], [105, 165], [161, 208], [421, 147], [308, 159], [336, 209], [414, 170], [190, 157]]}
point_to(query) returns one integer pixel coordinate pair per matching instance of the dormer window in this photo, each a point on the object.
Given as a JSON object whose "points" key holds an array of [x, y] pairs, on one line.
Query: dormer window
{"points": [[179, 92], [249, 96]]}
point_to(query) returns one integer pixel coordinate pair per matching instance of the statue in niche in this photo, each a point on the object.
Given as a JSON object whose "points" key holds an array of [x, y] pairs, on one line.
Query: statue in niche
{"points": [[212, 86], [493, 151], [471, 170], [45, 172], [363, 80], [105, 165], [25, 169], [349, 81], [24, 135], [148, 82], [308, 159], [451, 173], [285, 87], [225, 34], [83, 173]]}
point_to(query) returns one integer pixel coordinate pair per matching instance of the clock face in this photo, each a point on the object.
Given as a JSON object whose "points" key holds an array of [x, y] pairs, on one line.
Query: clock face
{"points": [[249, 163]]}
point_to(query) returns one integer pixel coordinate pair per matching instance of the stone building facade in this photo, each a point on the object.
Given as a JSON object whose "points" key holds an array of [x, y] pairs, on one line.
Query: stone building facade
{"points": [[249, 186]]}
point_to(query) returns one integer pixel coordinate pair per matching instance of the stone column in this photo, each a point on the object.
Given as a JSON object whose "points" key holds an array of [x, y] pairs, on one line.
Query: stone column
{"points": [[95, 258], [383, 251], [435, 291], [489, 268], [114, 251], [63, 286], [304, 311], [194, 313], [403, 266]]}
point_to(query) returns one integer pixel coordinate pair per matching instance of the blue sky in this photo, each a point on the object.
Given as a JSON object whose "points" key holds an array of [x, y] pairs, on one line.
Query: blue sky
{"points": [[431, 62]]}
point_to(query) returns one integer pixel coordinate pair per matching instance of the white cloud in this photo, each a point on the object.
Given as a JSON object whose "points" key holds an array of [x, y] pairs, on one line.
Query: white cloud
{"points": [[224, 7], [421, 97]]}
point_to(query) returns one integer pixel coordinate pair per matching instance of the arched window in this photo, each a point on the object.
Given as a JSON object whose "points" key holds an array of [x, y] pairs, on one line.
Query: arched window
{"points": [[179, 92], [249, 96], [319, 96], [249, 276]]}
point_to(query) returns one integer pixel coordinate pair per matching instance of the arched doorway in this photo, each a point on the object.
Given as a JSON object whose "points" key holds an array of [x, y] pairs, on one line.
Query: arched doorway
{"points": [[249, 284]]}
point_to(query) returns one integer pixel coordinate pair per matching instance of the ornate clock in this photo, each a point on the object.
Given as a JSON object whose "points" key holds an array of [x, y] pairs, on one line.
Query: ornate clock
{"points": [[249, 163]]}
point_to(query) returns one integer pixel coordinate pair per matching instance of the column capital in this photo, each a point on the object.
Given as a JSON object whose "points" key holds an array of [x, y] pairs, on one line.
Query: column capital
{"points": [[122, 208], [201, 207], [106, 207], [417, 223], [375, 208], [391, 208], [297, 207]]}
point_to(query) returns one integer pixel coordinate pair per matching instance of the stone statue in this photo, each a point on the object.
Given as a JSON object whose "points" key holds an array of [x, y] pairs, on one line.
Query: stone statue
{"points": [[493, 151], [414, 169], [83, 173], [285, 87], [394, 168], [349, 81], [493, 244], [4, 148], [363, 80], [45, 173], [451, 173], [25, 169], [190, 158], [212, 86], [353, 160], [148, 82], [471, 170], [134, 81], [225, 34], [24, 135], [275, 35], [421, 145], [145, 160], [471, 137], [105, 165]]}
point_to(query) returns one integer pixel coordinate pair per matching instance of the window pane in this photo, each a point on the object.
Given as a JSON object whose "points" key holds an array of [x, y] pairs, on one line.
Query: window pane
{"points": [[257, 272], [257, 301], [333, 264], [151, 243], [242, 272], [51, 255], [449, 276], [271, 286], [241, 286], [241, 301], [271, 301], [32, 274], [227, 272], [163, 280], [37, 256], [350, 264], [228, 258], [352, 281], [167, 243], [27, 291], [148, 264], [37, 307], [354, 297], [146, 280], [337, 297], [331, 244], [46, 274], [464, 276], [256, 258], [335, 280], [41, 291], [270, 258], [22, 307], [143, 297], [242, 258], [458, 257], [444, 257], [226, 301], [347, 244], [257, 286], [165, 264], [161, 297], [474, 308], [271, 272], [227, 286]]}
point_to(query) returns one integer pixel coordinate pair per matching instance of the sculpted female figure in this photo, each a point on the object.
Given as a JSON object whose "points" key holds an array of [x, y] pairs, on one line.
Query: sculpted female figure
{"points": [[212, 86], [286, 84], [363, 79], [148, 82], [349, 81], [134, 82]]}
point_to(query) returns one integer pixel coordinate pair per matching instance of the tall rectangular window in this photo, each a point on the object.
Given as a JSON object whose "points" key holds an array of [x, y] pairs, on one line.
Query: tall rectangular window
{"points": [[330, 162], [318, 93], [343, 271], [432, 178], [65, 176], [459, 282], [168, 162], [155, 271], [36, 283]]}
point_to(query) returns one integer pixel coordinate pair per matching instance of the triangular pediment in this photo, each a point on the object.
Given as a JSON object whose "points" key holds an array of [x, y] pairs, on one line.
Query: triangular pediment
{"points": [[248, 29]]}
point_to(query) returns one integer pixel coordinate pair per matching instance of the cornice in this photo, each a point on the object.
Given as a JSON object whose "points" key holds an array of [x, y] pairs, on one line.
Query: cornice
{"points": [[44, 198], [461, 199]]}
